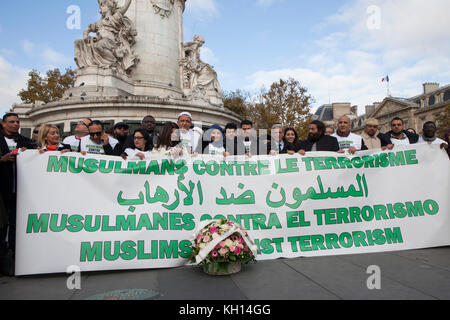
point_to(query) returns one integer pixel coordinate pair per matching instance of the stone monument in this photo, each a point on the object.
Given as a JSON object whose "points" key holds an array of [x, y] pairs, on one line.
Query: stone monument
{"points": [[134, 62]]}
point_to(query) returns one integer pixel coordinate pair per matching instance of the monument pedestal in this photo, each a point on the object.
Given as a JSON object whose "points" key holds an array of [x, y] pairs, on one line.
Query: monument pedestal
{"points": [[133, 63]]}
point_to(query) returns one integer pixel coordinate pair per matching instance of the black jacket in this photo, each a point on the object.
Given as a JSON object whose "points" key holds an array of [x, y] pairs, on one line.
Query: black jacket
{"points": [[8, 169], [325, 143], [296, 146]]}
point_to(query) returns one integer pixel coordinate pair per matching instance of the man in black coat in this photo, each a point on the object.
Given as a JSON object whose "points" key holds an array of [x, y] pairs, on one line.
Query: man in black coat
{"points": [[398, 135], [318, 140], [10, 144]]}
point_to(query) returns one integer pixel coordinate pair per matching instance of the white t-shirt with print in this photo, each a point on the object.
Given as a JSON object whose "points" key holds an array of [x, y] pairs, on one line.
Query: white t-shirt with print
{"points": [[73, 142], [214, 150], [89, 146], [353, 140], [11, 144]]}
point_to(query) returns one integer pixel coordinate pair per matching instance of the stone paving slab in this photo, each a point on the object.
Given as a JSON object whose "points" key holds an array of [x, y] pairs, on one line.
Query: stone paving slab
{"points": [[349, 281], [45, 287], [426, 278], [417, 274], [192, 284], [101, 282], [276, 280]]}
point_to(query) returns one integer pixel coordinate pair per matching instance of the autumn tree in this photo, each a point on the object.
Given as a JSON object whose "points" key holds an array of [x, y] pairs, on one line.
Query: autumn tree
{"points": [[238, 102], [289, 104], [443, 122], [48, 88]]}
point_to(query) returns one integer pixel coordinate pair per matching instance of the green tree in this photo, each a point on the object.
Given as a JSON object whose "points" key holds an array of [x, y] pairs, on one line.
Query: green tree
{"points": [[289, 104], [49, 88]]}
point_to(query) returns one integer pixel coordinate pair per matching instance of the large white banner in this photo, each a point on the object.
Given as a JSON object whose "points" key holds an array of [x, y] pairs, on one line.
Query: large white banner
{"points": [[104, 213]]}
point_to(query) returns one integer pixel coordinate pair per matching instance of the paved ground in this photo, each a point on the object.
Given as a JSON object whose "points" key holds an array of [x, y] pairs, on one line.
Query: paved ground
{"points": [[418, 274]]}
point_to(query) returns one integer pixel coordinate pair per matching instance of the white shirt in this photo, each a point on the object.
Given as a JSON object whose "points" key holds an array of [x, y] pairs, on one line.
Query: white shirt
{"points": [[73, 142], [190, 139], [133, 152], [89, 146], [436, 141], [352, 140]]}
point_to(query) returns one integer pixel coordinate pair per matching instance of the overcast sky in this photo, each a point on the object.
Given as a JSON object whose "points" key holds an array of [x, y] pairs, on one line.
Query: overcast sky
{"points": [[338, 50]]}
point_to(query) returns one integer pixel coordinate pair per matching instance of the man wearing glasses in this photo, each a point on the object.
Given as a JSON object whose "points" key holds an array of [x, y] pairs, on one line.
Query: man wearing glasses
{"points": [[97, 142], [398, 134], [81, 131], [373, 138]]}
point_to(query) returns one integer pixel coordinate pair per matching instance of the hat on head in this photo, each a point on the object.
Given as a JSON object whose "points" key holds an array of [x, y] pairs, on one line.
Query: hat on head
{"points": [[121, 124], [185, 114], [372, 122]]}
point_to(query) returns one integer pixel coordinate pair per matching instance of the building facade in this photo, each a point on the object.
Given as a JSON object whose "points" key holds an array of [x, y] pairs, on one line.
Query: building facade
{"points": [[414, 111]]}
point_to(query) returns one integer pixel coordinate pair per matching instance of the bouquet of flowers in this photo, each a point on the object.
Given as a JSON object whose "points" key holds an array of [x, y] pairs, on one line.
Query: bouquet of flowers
{"points": [[221, 246]]}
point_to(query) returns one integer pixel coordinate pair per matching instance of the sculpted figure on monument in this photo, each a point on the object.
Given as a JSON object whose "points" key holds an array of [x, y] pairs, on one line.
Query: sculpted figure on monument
{"points": [[111, 48], [163, 7], [199, 76]]}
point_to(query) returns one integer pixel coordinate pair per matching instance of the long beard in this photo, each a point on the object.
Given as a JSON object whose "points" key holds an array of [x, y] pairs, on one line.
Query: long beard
{"points": [[314, 137]]}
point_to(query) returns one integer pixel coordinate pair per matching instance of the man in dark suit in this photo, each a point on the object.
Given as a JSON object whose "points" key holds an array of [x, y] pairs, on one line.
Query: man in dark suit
{"points": [[318, 140], [11, 143]]}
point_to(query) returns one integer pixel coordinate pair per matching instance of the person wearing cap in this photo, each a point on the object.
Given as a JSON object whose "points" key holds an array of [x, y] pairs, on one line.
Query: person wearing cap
{"points": [[188, 137], [373, 138], [121, 135]]}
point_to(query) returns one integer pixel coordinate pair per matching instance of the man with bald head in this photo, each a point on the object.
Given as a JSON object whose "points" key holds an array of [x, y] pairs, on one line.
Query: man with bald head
{"points": [[348, 140]]}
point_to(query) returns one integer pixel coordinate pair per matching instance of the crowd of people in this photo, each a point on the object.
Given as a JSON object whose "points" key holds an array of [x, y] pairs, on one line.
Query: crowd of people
{"points": [[182, 139]]}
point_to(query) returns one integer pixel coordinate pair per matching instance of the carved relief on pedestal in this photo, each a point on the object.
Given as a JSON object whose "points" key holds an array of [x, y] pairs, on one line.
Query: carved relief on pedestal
{"points": [[199, 78], [163, 7], [112, 46]]}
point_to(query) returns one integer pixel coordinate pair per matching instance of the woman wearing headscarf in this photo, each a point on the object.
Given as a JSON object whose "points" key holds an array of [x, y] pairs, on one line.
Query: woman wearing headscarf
{"points": [[216, 144]]}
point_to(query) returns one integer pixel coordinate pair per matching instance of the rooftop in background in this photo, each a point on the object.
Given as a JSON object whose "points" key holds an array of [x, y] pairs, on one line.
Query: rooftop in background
{"points": [[432, 96]]}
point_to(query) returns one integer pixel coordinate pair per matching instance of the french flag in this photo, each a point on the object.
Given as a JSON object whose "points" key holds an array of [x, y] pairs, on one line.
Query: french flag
{"points": [[385, 79]]}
